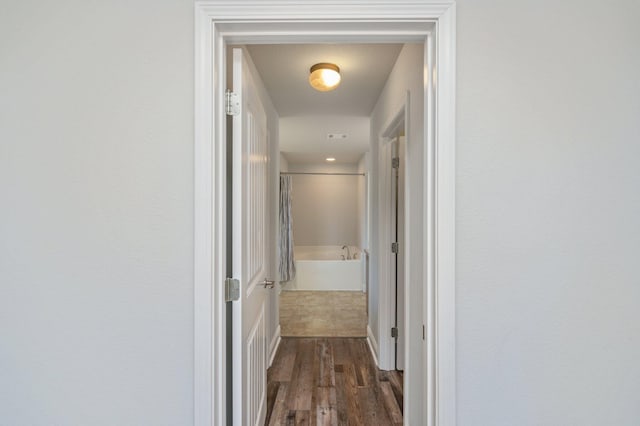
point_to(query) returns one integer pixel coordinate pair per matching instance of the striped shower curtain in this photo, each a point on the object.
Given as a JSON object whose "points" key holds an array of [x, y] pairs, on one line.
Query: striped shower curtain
{"points": [[287, 265]]}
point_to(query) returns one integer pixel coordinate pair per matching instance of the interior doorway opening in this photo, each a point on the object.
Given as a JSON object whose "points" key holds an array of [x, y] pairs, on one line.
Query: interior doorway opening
{"points": [[218, 25], [345, 205]]}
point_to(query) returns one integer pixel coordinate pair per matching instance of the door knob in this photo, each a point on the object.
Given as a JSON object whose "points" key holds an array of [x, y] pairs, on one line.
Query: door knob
{"points": [[268, 283]]}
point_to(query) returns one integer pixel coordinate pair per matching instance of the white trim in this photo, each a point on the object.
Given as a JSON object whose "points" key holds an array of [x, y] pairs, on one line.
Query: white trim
{"points": [[210, 175], [209, 236], [322, 10], [386, 304], [444, 254], [373, 345], [274, 345]]}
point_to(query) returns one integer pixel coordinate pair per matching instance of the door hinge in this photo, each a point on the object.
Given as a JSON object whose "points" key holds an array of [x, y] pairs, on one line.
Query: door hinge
{"points": [[232, 104], [395, 162], [394, 332], [394, 247], [231, 290]]}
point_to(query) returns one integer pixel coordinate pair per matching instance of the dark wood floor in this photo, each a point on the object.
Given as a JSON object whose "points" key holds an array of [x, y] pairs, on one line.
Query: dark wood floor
{"points": [[331, 381]]}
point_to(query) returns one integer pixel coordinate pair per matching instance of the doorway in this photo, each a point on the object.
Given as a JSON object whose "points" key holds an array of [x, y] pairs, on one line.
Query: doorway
{"points": [[393, 163], [325, 161], [238, 23], [320, 154], [325, 295]]}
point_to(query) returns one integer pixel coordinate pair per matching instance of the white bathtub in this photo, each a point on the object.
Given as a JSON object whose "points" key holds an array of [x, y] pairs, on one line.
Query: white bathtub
{"points": [[322, 268]]}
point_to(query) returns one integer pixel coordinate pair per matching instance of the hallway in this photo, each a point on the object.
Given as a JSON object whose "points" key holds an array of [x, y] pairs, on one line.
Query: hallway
{"points": [[331, 381]]}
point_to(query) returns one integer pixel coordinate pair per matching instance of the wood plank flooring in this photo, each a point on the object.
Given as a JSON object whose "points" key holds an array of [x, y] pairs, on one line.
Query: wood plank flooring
{"points": [[331, 381]]}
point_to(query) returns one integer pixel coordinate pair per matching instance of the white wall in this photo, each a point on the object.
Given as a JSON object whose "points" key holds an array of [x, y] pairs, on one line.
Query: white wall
{"points": [[406, 76], [284, 164], [548, 213], [96, 223], [363, 205], [96, 183], [325, 207]]}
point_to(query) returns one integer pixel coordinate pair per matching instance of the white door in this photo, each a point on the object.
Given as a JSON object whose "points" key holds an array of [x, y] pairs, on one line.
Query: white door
{"points": [[249, 189]]}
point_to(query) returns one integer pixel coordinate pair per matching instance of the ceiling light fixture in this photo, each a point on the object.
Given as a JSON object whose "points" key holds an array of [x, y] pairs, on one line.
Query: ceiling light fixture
{"points": [[324, 76], [330, 159]]}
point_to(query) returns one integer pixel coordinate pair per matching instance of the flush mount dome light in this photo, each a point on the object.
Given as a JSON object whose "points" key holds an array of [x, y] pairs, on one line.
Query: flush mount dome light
{"points": [[324, 76], [330, 159]]}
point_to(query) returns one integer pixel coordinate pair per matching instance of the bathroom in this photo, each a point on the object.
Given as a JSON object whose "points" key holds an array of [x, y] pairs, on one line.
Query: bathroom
{"points": [[327, 296]]}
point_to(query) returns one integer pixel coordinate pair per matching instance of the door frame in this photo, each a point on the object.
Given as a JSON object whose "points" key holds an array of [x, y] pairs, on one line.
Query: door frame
{"points": [[386, 304], [219, 22]]}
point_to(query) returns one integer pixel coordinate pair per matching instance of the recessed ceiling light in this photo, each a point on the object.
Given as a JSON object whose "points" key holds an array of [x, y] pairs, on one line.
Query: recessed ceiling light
{"points": [[324, 76], [331, 159]]}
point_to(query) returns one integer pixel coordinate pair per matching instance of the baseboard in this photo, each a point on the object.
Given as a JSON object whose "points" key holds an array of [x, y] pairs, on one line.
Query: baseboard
{"points": [[273, 346], [373, 345]]}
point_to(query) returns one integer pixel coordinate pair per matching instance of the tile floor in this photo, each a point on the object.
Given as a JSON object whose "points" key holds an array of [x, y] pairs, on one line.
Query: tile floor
{"points": [[323, 314]]}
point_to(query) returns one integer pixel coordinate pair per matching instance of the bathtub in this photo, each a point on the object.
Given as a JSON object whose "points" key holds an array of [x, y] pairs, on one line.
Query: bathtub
{"points": [[322, 268]]}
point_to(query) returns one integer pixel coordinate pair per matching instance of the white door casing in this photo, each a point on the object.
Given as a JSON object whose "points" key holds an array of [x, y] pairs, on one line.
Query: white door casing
{"points": [[391, 216], [386, 259], [400, 264], [218, 22], [249, 244]]}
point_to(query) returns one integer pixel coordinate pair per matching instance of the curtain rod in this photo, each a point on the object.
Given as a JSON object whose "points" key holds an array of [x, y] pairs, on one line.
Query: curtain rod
{"points": [[319, 173]]}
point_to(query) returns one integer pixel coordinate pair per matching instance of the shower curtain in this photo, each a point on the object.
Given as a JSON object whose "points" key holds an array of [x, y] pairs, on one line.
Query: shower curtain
{"points": [[287, 265]]}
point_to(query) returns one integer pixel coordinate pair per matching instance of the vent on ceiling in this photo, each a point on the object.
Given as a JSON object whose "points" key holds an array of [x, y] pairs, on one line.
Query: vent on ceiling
{"points": [[336, 136]]}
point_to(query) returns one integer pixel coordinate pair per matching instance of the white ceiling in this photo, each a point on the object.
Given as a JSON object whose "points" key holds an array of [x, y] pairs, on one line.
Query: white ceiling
{"points": [[306, 115], [284, 69], [304, 140]]}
